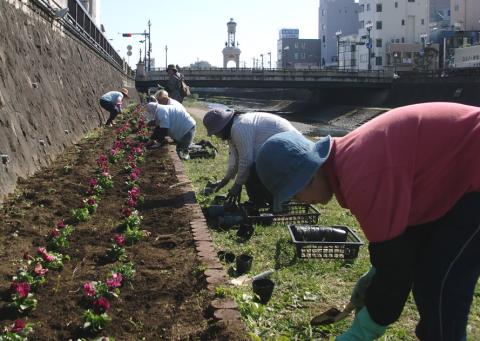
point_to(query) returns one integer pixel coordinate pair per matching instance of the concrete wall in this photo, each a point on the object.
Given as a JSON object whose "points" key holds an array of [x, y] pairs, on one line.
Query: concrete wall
{"points": [[50, 84]]}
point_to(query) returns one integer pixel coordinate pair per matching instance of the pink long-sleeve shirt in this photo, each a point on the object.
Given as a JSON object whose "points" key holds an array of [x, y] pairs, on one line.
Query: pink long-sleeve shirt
{"points": [[407, 166]]}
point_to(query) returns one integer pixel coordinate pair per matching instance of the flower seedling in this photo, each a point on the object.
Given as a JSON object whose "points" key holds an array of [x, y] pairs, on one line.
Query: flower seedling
{"points": [[105, 180], [58, 237], [22, 298], [18, 331], [91, 204], [95, 322], [81, 214], [127, 270]]}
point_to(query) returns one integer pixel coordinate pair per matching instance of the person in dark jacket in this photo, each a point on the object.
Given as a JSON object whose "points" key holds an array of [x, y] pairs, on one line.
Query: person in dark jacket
{"points": [[174, 83]]}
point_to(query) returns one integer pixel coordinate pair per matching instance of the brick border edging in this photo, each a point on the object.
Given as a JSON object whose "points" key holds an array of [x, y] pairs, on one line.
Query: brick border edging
{"points": [[224, 310]]}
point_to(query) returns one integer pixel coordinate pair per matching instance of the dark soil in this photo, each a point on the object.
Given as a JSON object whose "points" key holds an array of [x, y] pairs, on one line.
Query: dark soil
{"points": [[167, 298]]}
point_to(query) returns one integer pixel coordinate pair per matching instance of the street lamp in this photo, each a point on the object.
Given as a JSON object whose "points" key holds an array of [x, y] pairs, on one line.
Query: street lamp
{"points": [[261, 56], [270, 60], [395, 56], [423, 38], [369, 26], [339, 35]]}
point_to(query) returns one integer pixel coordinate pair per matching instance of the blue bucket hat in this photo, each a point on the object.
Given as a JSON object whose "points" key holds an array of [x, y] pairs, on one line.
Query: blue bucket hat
{"points": [[286, 163]]}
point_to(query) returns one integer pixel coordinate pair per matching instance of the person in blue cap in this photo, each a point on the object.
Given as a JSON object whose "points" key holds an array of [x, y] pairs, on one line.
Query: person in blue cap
{"points": [[411, 177]]}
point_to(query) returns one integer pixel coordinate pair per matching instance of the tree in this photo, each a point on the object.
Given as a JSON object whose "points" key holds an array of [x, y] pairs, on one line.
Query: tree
{"points": [[201, 64]]}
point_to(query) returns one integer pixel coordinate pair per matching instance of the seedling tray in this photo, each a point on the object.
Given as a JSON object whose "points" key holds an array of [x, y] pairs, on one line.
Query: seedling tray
{"points": [[326, 249], [293, 213]]}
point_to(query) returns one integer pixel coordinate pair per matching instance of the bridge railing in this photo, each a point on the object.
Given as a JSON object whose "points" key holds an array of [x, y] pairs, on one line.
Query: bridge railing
{"points": [[272, 74], [81, 25]]}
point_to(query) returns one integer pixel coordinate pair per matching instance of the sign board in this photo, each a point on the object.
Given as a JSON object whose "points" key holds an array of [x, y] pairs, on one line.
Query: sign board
{"points": [[129, 47], [129, 53]]}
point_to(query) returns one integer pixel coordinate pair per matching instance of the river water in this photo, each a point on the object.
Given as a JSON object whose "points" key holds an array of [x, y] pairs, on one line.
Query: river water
{"points": [[313, 121]]}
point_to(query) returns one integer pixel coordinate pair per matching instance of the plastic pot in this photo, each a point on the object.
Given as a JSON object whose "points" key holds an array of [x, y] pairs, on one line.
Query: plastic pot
{"points": [[320, 234], [229, 221], [225, 256], [263, 288], [244, 263], [214, 211], [245, 231]]}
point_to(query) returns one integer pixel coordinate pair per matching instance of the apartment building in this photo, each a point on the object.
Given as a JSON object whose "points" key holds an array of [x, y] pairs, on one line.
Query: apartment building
{"points": [[465, 15], [394, 32], [335, 17], [296, 53]]}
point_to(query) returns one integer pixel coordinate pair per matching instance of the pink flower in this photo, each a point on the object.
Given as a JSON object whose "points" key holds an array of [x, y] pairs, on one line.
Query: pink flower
{"points": [[26, 256], [101, 305], [114, 151], [61, 224], [127, 212], [115, 281], [46, 257], [22, 288], [39, 270], [134, 176], [92, 182], [119, 239], [17, 326], [54, 233], [89, 289], [130, 158]]}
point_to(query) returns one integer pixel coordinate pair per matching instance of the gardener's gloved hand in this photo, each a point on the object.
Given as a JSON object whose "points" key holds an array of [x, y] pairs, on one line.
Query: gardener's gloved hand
{"points": [[363, 328], [234, 193], [360, 289], [219, 185]]}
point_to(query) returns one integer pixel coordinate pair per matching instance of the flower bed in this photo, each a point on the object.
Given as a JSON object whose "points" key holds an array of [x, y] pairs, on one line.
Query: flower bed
{"points": [[96, 242]]}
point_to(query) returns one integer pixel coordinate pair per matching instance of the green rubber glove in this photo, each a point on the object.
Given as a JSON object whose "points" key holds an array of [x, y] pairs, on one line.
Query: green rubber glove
{"points": [[363, 328], [360, 289]]}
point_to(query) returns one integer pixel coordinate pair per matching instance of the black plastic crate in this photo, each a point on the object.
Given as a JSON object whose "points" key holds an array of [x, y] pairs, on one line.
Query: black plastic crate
{"points": [[292, 213], [326, 249]]}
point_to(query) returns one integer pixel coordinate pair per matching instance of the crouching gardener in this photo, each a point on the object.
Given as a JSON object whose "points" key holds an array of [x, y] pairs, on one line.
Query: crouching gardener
{"points": [[173, 121], [245, 134], [411, 177], [112, 102]]}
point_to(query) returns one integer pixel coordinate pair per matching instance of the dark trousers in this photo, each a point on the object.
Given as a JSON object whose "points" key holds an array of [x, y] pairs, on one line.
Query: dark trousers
{"points": [[447, 272], [439, 262], [111, 108], [258, 194]]}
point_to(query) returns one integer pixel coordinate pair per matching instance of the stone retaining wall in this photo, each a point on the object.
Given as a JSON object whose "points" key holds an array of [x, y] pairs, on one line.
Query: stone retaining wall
{"points": [[50, 84]]}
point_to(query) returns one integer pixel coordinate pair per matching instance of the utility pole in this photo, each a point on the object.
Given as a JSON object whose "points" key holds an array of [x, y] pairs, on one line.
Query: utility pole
{"points": [[166, 56], [270, 60], [261, 56], [149, 46]]}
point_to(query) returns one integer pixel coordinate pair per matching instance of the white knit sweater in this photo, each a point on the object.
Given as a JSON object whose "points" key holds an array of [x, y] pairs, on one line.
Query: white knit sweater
{"points": [[248, 133]]}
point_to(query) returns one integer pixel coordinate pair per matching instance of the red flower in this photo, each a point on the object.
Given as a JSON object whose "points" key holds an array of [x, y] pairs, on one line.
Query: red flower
{"points": [[119, 239], [18, 326], [61, 224], [134, 176], [54, 233], [127, 212], [22, 288], [92, 182], [101, 305], [91, 201], [131, 202]]}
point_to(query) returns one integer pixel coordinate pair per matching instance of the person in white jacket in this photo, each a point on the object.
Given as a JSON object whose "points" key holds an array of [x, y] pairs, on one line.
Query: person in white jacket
{"points": [[245, 134]]}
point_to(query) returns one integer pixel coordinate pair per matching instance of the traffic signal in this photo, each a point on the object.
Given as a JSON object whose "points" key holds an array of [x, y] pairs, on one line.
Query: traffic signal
{"points": [[126, 34]]}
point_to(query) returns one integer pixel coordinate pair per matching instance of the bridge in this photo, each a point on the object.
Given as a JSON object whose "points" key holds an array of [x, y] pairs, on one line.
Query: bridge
{"points": [[270, 78]]}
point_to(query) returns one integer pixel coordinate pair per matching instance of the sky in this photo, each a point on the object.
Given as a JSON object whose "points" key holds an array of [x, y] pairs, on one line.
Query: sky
{"points": [[197, 29]]}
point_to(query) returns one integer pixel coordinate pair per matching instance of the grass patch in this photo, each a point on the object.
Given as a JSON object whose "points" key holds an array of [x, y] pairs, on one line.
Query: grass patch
{"points": [[303, 288]]}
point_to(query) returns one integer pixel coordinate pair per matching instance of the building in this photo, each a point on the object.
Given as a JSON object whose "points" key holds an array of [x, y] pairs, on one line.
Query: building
{"points": [[439, 13], [465, 15], [397, 27], [296, 53], [335, 16]]}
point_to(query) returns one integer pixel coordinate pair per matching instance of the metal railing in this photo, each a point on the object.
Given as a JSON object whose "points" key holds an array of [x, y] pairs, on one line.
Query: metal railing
{"points": [[81, 25]]}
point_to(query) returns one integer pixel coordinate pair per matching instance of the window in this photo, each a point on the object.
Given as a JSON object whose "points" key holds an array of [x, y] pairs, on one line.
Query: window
{"points": [[379, 7], [403, 22], [323, 39], [368, 7], [396, 4], [379, 25], [324, 12], [397, 41], [411, 0], [362, 8], [353, 48], [295, 55], [403, 40], [362, 24], [378, 61], [456, 8], [422, 21], [378, 43]]}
